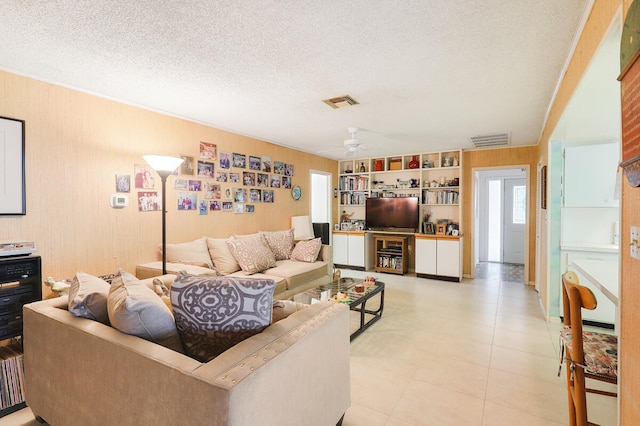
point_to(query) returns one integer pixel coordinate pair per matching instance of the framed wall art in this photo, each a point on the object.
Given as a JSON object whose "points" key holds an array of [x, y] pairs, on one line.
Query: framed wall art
{"points": [[12, 170]]}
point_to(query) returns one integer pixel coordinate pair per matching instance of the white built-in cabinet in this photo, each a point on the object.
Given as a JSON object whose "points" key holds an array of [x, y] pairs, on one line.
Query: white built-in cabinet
{"points": [[439, 257], [348, 249]]}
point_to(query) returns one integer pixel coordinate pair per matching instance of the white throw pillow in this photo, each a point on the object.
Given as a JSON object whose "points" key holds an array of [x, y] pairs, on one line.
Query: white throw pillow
{"points": [[88, 297], [191, 253], [135, 309]]}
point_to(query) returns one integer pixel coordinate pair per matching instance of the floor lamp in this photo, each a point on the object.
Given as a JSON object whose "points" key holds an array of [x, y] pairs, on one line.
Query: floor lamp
{"points": [[164, 166]]}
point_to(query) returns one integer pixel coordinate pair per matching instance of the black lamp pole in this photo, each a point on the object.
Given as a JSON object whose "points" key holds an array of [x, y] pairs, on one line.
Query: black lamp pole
{"points": [[163, 176]]}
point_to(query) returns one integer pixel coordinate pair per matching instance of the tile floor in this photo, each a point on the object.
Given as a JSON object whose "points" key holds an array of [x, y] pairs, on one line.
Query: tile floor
{"points": [[472, 353]]}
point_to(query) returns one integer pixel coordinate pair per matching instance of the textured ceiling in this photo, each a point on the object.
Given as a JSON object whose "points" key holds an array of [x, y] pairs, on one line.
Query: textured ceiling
{"points": [[428, 74]]}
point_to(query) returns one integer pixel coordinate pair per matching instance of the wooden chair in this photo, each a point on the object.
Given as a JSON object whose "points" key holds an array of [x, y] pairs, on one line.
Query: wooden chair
{"points": [[587, 355]]}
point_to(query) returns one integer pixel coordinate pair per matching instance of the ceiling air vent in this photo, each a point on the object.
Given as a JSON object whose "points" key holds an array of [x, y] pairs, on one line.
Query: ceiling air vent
{"points": [[490, 141], [341, 101]]}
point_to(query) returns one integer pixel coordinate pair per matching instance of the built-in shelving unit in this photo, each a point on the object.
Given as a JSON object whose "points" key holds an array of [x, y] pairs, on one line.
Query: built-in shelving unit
{"points": [[434, 177], [391, 254]]}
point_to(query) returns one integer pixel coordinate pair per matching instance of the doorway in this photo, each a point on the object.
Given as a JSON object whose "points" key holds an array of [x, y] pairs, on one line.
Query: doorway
{"points": [[501, 219]]}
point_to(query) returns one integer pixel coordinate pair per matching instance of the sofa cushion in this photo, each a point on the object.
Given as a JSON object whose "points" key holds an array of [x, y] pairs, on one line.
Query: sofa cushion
{"points": [[284, 308], [214, 313], [298, 273], [135, 309], [154, 269], [223, 260], [281, 282], [88, 297], [280, 243], [252, 253], [307, 251], [194, 253]]}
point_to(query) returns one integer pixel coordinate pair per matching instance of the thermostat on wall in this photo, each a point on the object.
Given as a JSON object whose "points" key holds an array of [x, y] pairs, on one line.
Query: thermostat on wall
{"points": [[119, 201]]}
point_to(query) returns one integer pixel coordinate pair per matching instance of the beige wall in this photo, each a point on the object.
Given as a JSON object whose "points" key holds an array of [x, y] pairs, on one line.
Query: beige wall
{"points": [[600, 19], [76, 144]]}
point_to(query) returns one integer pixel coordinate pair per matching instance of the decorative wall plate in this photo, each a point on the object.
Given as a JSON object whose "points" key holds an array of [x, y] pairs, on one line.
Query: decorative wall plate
{"points": [[296, 192]]}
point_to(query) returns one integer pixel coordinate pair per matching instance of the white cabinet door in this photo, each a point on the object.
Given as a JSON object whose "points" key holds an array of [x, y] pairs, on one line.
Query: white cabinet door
{"points": [[448, 260], [426, 256], [340, 249], [356, 250]]}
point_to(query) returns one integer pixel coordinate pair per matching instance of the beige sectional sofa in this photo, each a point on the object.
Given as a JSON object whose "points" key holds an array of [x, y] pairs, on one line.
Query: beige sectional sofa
{"points": [[212, 256], [83, 372]]}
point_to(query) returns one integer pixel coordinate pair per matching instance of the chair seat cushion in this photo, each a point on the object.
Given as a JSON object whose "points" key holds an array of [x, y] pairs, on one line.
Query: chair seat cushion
{"points": [[600, 352]]}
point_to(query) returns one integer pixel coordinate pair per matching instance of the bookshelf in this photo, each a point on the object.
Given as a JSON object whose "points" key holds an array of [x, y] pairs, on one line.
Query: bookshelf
{"points": [[391, 254]]}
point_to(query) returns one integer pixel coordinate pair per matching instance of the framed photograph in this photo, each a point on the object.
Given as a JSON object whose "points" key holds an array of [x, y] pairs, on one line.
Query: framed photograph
{"points": [[214, 206], [267, 196], [336, 226], [286, 182], [186, 168], [428, 228], [186, 201], [205, 169], [181, 183], [345, 226], [12, 197], [288, 169], [148, 201], [203, 207], [208, 151], [211, 190], [263, 180], [255, 195], [240, 195], [238, 208], [228, 194], [225, 161], [239, 160], [195, 185], [441, 229], [274, 182], [278, 167], [123, 183], [250, 208], [221, 176], [144, 176], [227, 206], [254, 163], [234, 177], [248, 178], [266, 164]]}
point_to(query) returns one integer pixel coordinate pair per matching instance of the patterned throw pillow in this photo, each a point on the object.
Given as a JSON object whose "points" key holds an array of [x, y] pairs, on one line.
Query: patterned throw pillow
{"points": [[252, 253], [280, 243], [307, 251], [135, 309], [88, 297], [215, 313]]}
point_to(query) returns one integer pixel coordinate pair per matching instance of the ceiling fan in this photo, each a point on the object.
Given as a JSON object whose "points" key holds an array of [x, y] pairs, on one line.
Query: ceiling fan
{"points": [[353, 144]]}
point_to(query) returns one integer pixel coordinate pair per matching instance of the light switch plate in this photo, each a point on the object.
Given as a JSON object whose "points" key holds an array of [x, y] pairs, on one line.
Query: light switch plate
{"points": [[635, 242]]}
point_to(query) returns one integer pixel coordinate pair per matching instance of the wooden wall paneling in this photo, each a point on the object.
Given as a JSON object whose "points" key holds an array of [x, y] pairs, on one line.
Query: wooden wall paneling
{"points": [[75, 145]]}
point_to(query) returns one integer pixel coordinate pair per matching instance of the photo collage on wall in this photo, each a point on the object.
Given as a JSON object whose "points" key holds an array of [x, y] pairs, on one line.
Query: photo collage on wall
{"points": [[214, 182]]}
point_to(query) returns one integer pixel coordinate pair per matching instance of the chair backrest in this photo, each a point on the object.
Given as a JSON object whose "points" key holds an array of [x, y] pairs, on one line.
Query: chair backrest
{"points": [[574, 298], [585, 300]]}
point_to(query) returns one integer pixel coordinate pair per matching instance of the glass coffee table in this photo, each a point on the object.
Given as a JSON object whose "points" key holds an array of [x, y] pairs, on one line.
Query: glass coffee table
{"points": [[343, 290]]}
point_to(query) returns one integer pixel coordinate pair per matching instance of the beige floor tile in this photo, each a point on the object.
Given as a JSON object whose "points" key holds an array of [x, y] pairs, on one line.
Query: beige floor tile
{"points": [[498, 415], [525, 342], [469, 379], [543, 399], [357, 415], [530, 365], [375, 389], [425, 404]]}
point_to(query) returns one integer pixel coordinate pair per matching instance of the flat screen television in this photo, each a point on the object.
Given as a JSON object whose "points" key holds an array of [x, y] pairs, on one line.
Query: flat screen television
{"points": [[399, 214]]}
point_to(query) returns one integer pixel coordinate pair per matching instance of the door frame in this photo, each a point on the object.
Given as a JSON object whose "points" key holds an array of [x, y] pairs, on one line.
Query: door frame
{"points": [[476, 209]]}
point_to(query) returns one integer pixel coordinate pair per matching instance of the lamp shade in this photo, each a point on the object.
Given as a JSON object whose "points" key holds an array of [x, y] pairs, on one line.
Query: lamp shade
{"points": [[163, 164], [302, 228]]}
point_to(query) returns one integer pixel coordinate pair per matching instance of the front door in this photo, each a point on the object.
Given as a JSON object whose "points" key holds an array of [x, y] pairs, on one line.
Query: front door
{"points": [[515, 220]]}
